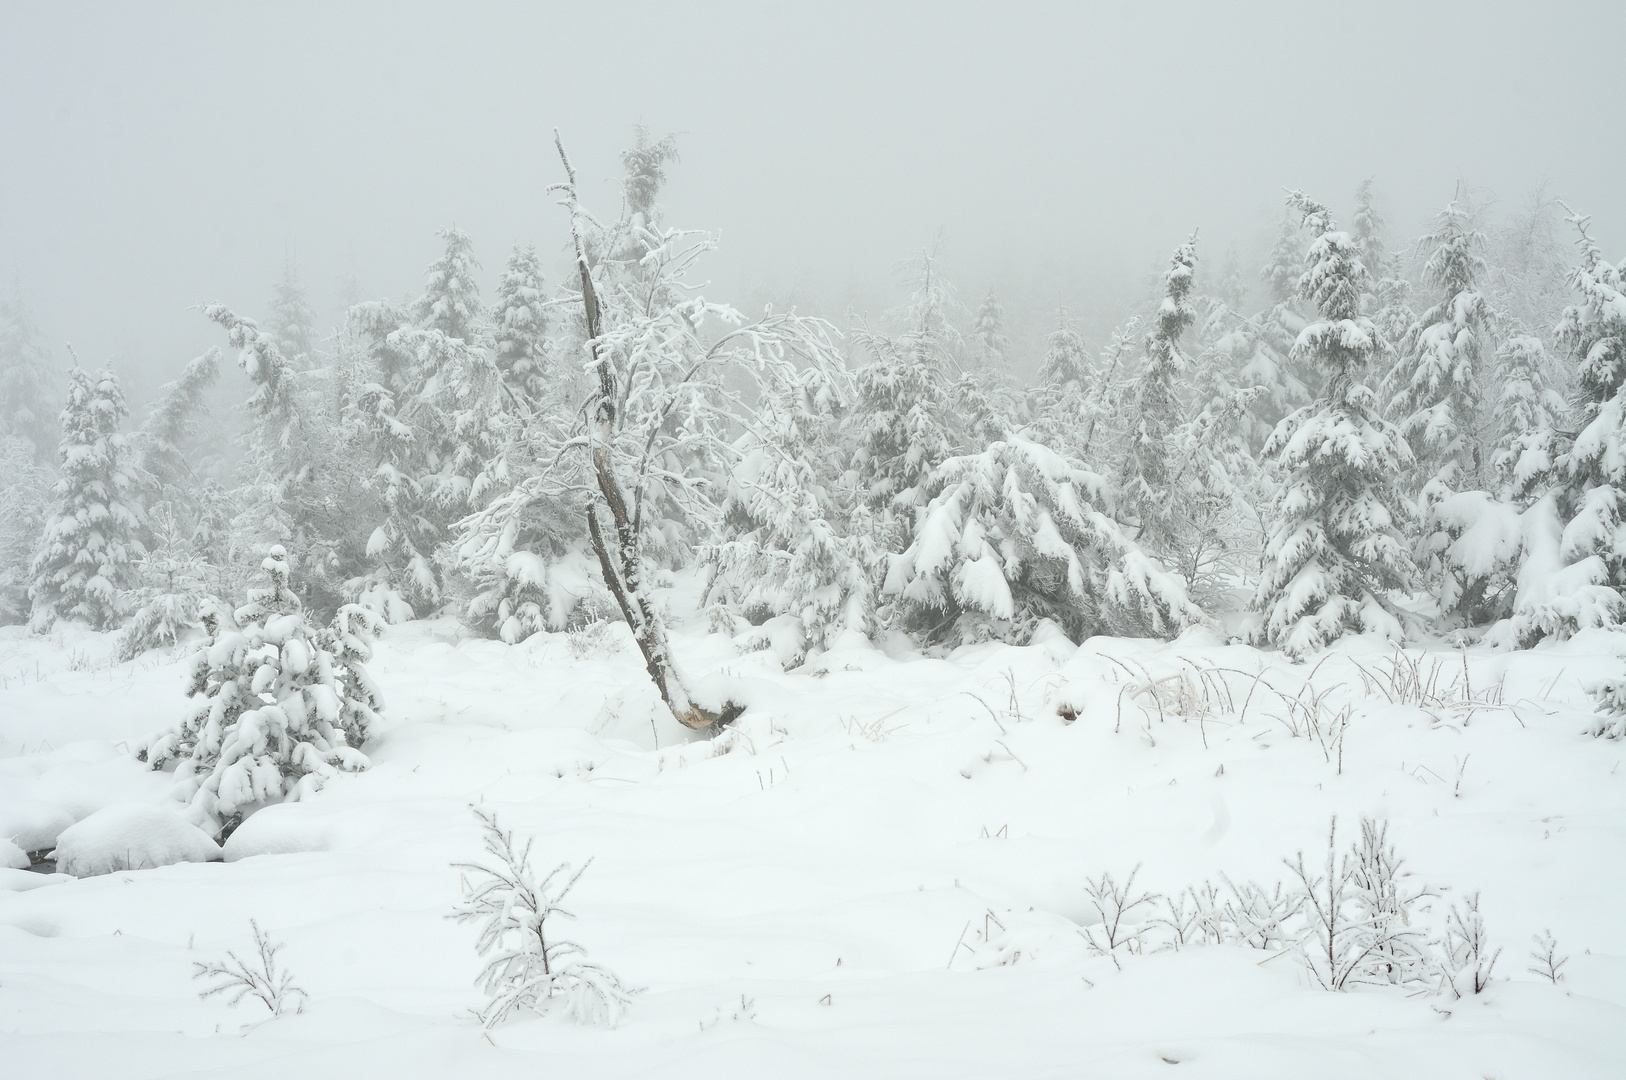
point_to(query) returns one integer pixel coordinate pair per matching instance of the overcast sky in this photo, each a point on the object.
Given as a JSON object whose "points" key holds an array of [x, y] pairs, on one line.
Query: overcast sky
{"points": [[156, 155]]}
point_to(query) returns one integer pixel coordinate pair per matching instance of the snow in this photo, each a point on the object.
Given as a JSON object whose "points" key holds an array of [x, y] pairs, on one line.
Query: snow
{"points": [[131, 836], [873, 874]]}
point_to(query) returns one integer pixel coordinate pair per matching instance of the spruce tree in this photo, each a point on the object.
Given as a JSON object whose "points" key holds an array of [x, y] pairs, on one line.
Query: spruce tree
{"points": [[520, 324], [1335, 549], [1576, 579], [278, 706], [988, 331], [27, 383], [86, 556], [292, 323], [1147, 468]]}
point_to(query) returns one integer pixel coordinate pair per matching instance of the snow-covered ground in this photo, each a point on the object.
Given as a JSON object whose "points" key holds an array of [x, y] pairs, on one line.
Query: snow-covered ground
{"points": [[879, 873]]}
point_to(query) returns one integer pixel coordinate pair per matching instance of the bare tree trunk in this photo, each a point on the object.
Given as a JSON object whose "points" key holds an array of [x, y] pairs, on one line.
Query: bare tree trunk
{"points": [[618, 555]]}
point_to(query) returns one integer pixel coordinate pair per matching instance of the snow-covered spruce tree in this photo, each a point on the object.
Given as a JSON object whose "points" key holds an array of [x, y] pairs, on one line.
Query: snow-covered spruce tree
{"points": [[1440, 401], [292, 322], [173, 583], [301, 484], [1335, 550], [1147, 470], [1440, 396], [169, 470], [1575, 573], [988, 331], [1013, 535], [520, 324], [666, 398], [278, 706], [435, 414], [25, 496], [1288, 383], [1366, 228], [1529, 417], [84, 561], [27, 383], [788, 543]]}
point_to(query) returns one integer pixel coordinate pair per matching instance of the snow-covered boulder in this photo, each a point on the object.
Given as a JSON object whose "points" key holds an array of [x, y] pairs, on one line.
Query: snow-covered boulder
{"points": [[278, 830], [32, 824], [12, 857], [131, 836]]}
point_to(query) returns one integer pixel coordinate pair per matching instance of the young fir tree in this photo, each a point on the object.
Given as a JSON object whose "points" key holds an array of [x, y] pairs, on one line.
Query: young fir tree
{"points": [[292, 323], [1147, 468], [1575, 575], [451, 299], [27, 383], [520, 324], [85, 558], [278, 706], [1335, 550]]}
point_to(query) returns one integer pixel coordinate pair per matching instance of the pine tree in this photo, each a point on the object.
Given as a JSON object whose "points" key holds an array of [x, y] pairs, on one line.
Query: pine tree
{"points": [[1366, 227], [520, 324], [171, 422], [1066, 356], [27, 383], [85, 558], [292, 323], [278, 706], [1146, 469], [1335, 550]]}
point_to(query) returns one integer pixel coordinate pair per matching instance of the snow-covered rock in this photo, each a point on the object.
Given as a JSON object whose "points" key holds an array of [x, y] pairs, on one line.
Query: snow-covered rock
{"points": [[12, 857], [32, 824], [277, 830], [131, 836]]}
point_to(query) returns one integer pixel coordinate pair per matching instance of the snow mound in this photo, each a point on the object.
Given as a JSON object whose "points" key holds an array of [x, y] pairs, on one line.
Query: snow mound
{"points": [[12, 857], [131, 836], [31, 824], [26, 880], [282, 829]]}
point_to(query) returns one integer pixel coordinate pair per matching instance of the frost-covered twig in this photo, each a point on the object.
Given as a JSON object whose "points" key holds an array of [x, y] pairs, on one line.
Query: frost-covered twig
{"points": [[527, 968], [1469, 960], [259, 978], [1112, 902], [1548, 964]]}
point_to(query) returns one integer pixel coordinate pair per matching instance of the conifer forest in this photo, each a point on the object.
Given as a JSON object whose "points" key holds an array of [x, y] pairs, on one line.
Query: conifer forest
{"points": [[817, 540]]}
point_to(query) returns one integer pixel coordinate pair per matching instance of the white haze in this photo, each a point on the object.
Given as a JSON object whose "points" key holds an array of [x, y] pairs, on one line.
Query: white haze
{"points": [[155, 156]]}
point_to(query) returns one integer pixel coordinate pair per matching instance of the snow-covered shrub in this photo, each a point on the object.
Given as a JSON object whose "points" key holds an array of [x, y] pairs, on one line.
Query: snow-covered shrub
{"points": [[1468, 957], [1358, 914], [529, 966], [131, 836], [85, 559], [174, 584], [1014, 535], [1609, 696], [278, 706], [1473, 547]]}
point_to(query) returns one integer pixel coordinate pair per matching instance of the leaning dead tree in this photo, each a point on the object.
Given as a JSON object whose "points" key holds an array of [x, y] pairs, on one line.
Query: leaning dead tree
{"points": [[667, 401]]}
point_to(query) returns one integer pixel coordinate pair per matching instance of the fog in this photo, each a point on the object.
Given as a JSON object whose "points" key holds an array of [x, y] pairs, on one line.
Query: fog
{"points": [[152, 157]]}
